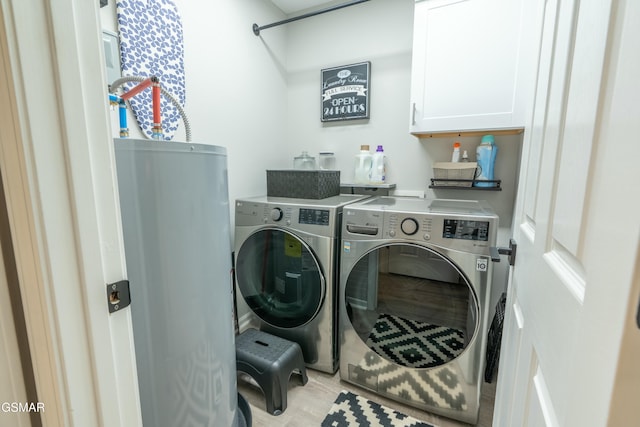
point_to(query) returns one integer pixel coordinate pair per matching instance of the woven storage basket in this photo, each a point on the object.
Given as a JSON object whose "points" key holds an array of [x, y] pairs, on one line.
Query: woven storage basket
{"points": [[443, 171], [303, 184]]}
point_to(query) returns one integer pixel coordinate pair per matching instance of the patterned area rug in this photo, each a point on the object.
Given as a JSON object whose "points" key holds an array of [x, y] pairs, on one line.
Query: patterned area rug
{"points": [[351, 410], [414, 344], [436, 387]]}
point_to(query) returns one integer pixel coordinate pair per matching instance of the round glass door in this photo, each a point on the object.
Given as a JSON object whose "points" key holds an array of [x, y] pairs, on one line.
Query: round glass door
{"points": [[411, 305], [279, 278]]}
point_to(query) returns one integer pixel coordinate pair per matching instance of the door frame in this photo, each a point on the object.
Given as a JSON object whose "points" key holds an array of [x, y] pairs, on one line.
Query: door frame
{"points": [[58, 170]]}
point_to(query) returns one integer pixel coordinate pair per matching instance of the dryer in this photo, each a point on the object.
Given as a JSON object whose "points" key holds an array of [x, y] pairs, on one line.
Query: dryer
{"points": [[415, 289], [286, 264]]}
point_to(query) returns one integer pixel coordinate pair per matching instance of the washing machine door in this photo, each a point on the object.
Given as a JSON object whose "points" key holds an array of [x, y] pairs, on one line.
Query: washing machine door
{"points": [[411, 305], [280, 278]]}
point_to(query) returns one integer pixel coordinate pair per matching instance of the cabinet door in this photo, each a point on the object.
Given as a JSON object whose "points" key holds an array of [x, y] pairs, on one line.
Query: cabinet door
{"points": [[465, 68]]}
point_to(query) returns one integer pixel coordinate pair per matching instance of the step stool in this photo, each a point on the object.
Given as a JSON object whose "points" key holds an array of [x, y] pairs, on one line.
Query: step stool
{"points": [[270, 361]]}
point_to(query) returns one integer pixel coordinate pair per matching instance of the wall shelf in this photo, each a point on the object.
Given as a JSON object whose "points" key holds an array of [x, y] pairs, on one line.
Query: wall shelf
{"points": [[445, 184], [454, 134]]}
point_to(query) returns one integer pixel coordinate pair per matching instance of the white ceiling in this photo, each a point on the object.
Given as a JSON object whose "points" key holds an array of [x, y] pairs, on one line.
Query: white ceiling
{"points": [[292, 6]]}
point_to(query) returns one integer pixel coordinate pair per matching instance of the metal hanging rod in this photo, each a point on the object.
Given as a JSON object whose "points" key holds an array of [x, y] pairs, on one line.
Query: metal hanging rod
{"points": [[256, 28]]}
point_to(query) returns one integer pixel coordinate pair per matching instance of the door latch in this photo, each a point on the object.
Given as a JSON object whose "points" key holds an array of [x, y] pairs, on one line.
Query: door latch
{"points": [[118, 295], [495, 252]]}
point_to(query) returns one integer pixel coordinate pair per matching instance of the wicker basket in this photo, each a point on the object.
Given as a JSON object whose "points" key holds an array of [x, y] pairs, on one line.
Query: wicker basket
{"points": [[303, 184], [445, 171]]}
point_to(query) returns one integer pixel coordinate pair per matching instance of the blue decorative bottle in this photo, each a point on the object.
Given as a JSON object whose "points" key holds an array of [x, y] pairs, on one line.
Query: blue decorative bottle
{"points": [[486, 157]]}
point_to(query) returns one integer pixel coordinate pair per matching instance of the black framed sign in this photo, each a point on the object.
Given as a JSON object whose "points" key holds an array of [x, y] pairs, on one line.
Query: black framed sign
{"points": [[345, 92]]}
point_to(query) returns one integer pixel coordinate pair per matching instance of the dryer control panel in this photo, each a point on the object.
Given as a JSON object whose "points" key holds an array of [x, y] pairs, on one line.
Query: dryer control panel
{"points": [[459, 225], [466, 229], [314, 220], [413, 226], [456, 232], [314, 216]]}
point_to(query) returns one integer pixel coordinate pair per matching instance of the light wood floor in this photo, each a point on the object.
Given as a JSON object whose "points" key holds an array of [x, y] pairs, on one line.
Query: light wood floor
{"points": [[308, 405]]}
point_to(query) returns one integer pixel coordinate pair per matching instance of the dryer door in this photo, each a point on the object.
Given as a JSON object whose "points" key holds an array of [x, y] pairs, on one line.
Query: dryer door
{"points": [[280, 278], [411, 305]]}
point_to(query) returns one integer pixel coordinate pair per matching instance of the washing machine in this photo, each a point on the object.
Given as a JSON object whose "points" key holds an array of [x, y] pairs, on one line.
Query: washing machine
{"points": [[286, 265], [414, 296]]}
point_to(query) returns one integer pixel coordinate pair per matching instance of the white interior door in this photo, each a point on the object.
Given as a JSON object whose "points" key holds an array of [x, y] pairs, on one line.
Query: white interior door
{"points": [[577, 225]]}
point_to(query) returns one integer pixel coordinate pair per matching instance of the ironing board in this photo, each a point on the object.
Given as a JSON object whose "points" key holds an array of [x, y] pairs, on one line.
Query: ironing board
{"points": [[151, 44]]}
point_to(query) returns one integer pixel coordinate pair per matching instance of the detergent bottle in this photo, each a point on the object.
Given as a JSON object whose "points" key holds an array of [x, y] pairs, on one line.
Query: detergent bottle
{"points": [[455, 157], [378, 167], [362, 169], [486, 157]]}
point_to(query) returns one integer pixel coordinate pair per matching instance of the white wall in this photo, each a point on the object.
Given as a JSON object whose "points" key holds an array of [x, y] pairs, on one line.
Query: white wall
{"points": [[236, 85], [378, 31]]}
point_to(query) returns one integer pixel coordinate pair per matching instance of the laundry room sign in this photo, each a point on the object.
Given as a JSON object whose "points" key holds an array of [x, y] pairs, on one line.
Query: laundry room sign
{"points": [[345, 92]]}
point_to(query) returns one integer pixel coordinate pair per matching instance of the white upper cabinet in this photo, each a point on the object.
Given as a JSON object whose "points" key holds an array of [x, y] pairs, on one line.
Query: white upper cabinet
{"points": [[469, 72]]}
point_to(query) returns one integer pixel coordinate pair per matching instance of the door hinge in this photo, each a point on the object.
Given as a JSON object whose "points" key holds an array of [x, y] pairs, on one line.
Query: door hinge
{"points": [[118, 295], [510, 251]]}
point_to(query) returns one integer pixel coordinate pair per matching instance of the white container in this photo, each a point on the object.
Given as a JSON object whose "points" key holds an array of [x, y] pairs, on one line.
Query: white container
{"points": [[363, 164], [327, 161], [455, 157], [444, 171], [486, 156], [304, 161], [378, 167]]}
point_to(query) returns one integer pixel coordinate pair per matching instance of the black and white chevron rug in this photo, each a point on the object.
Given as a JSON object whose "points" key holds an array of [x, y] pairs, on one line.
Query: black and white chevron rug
{"points": [[351, 410], [435, 387], [414, 344]]}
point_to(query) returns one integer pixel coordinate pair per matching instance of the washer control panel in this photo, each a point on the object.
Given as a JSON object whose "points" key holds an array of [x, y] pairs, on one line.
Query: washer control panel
{"points": [[465, 229], [276, 214], [302, 216], [458, 225], [458, 232], [417, 227], [314, 216], [315, 220], [409, 226]]}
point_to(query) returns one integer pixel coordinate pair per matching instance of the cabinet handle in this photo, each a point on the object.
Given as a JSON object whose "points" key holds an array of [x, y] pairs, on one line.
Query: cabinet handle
{"points": [[413, 114]]}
